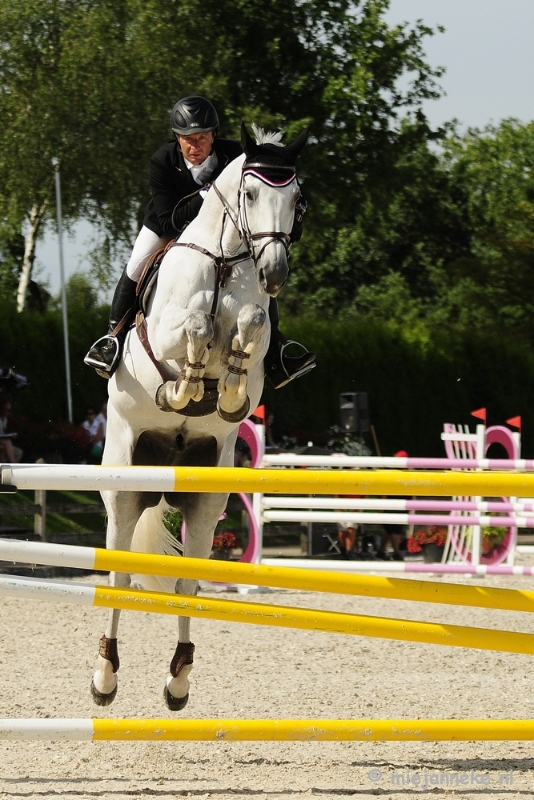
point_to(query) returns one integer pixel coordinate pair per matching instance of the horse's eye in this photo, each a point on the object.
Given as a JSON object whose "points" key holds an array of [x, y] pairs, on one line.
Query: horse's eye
{"points": [[249, 195]]}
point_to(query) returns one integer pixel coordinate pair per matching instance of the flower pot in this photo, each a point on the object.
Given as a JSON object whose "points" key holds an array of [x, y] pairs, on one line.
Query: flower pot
{"points": [[223, 554], [432, 553], [487, 543]]}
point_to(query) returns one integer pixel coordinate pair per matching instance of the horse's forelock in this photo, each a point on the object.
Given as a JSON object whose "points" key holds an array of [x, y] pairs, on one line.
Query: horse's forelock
{"points": [[267, 137], [268, 158]]}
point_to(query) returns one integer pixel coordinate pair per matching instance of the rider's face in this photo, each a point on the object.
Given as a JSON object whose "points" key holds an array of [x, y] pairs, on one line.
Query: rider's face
{"points": [[196, 147]]}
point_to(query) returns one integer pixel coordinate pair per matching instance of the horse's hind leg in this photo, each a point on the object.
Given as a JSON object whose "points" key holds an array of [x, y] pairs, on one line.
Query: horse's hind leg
{"points": [[201, 518], [124, 509], [104, 683], [234, 404]]}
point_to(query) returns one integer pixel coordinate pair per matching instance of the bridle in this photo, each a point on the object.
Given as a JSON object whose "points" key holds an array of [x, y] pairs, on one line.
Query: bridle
{"points": [[256, 168], [224, 264]]}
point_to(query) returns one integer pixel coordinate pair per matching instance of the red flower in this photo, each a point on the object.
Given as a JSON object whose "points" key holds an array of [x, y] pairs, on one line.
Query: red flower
{"points": [[224, 539], [433, 534]]}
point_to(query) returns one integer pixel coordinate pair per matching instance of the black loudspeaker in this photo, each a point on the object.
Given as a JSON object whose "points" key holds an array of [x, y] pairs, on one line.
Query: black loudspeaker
{"points": [[354, 410]]}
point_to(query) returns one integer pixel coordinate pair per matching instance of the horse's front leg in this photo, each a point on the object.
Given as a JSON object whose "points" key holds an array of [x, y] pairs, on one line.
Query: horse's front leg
{"points": [[201, 516], [234, 404], [175, 395], [123, 509]]}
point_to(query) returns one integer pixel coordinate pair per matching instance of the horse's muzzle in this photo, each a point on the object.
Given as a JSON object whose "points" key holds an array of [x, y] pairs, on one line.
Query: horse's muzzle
{"points": [[273, 277]]}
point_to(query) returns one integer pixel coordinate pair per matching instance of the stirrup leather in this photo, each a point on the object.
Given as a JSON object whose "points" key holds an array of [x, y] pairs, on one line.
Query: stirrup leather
{"points": [[282, 369]]}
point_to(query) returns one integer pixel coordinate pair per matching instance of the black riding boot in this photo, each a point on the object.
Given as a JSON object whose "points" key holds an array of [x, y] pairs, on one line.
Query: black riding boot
{"points": [[104, 355], [280, 368]]}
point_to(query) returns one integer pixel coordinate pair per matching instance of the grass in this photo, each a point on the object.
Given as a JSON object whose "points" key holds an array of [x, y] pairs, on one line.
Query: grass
{"points": [[60, 521], [77, 524]]}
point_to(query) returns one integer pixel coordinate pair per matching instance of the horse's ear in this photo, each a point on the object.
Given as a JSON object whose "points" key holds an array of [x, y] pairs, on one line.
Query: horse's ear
{"points": [[247, 142], [295, 147]]}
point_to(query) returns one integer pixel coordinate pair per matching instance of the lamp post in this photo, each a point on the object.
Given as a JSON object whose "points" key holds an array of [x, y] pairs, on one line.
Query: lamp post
{"points": [[55, 163]]}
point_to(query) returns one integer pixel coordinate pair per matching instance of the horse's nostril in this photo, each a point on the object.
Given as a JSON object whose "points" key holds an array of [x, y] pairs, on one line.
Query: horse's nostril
{"points": [[261, 275]]}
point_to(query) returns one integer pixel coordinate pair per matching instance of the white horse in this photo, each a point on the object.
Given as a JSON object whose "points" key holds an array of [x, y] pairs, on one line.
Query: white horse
{"points": [[193, 371]]}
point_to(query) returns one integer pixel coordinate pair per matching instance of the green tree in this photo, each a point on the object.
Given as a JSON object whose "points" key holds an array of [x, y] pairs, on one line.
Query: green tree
{"points": [[493, 283], [449, 240], [65, 72], [90, 82], [396, 249]]}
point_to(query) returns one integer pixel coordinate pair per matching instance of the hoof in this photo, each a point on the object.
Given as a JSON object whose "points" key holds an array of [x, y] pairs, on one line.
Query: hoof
{"points": [[174, 703], [235, 416], [103, 699]]}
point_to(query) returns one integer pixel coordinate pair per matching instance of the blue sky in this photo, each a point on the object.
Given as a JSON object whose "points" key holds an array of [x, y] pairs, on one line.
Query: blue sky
{"points": [[488, 55], [487, 52]]}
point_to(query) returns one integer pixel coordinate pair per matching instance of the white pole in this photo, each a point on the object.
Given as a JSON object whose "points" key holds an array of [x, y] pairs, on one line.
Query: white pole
{"points": [[257, 497], [63, 292], [476, 546]]}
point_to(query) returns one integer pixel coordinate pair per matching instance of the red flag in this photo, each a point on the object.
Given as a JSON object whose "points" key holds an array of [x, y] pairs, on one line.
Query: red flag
{"points": [[515, 422], [260, 413], [480, 413]]}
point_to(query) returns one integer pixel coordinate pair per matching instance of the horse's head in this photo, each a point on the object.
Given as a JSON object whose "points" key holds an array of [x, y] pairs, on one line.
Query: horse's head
{"points": [[269, 193]]}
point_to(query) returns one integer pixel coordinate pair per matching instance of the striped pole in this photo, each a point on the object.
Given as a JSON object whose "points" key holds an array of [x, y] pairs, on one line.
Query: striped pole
{"points": [[263, 730], [398, 504], [368, 518], [270, 615], [281, 576], [436, 568], [380, 462], [85, 477]]}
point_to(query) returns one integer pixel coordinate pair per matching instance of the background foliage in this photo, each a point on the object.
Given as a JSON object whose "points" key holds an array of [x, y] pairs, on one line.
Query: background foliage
{"points": [[414, 279], [415, 381]]}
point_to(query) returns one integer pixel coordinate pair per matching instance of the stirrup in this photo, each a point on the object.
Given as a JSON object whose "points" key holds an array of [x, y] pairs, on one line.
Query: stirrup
{"points": [[104, 356], [280, 370]]}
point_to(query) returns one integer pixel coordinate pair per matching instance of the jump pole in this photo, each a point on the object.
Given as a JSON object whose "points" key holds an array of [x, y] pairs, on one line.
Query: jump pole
{"points": [[85, 477], [400, 504], [270, 615], [265, 730], [401, 567], [282, 577], [392, 462], [388, 518]]}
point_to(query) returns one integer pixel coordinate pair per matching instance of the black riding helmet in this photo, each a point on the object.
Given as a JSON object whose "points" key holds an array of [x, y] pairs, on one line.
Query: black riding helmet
{"points": [[193, 115]]}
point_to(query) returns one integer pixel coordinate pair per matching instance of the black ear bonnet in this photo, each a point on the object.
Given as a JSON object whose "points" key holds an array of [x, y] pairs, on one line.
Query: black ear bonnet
{"points": [[271, 163]]}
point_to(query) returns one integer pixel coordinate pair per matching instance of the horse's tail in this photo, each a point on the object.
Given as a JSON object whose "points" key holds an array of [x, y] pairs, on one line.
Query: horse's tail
{"points": [[151, 536]]}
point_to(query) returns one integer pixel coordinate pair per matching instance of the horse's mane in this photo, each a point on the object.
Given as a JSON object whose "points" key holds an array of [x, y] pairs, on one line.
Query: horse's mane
{"points": [[267, 137]]}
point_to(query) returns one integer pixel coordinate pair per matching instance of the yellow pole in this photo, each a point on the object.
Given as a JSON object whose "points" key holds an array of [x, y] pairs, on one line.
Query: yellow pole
{"points": [[314, 730], [365, 482], [314, 580], [316, 620]]}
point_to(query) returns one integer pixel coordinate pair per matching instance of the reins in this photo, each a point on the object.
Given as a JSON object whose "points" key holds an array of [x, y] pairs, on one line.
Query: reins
{"points": [[223, 268], [224, 264]]}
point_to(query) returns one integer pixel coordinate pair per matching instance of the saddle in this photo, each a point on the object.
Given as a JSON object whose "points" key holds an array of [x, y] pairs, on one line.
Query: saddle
{"points": [[149, 276]]}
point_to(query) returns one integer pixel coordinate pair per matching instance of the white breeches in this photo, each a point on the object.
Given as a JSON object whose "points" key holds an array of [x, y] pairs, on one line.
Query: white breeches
{"points": [[146, 244]]}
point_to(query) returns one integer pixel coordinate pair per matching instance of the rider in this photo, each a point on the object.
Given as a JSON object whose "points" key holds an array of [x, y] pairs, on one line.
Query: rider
{"points": [[192, 159]]}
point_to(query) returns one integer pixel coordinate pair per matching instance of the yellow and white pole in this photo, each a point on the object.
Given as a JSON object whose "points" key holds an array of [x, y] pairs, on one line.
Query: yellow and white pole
{"points": [[270, 615], [86, 477], [261, 730], [282, 577]]}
